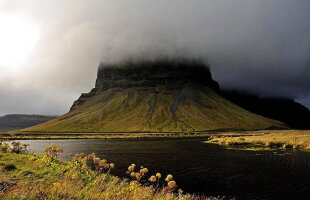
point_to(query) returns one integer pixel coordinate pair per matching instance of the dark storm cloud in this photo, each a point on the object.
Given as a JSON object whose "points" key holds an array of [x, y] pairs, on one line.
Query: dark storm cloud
{"points": [[258, 46]]}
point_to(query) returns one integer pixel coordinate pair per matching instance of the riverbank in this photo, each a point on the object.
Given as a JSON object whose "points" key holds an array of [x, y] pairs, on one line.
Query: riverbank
{"points": [[264, 140], [43, 176], [42, 135], [99, 136]]}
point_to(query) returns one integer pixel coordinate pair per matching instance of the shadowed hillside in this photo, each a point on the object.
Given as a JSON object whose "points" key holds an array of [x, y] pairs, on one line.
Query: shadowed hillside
{"points": [[159, 96], [13, 122], [288, 111]]}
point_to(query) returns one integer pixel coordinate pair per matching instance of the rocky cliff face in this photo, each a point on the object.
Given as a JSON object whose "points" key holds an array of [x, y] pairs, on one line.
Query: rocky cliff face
{"points": [[174, 74]]}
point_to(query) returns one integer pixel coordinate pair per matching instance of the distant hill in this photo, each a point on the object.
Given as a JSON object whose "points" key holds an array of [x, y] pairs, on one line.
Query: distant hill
{"points": [[155, 96], [294, 114], [17, 121]]}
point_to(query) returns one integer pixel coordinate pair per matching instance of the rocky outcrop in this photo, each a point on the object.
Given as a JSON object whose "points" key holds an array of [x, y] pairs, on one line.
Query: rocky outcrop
{"points": [[174, 74]]}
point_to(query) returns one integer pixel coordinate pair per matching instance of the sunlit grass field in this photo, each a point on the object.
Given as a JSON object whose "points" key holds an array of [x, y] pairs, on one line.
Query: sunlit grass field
{"points": [[285, 139]]}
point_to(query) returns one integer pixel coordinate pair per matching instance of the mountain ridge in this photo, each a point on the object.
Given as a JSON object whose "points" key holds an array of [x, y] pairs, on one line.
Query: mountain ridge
{"points": [[286, 110]]}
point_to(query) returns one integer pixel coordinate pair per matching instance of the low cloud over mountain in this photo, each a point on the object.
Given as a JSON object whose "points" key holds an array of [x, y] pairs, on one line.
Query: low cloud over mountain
{"points": [[258, 46]]}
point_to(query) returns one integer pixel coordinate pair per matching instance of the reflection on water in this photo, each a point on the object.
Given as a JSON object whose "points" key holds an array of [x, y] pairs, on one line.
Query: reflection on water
{"points": [[203, 168]]}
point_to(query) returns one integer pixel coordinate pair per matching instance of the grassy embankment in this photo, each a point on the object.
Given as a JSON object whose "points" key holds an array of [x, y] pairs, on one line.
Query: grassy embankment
{"points": [[44, 176], [264, 140], [44, 136], [25, 136]]}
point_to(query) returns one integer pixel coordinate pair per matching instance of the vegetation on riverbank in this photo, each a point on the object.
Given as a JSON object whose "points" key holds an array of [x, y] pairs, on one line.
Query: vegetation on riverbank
{"points": [[100, 136], [44, 176], [284, 139], [42, 135]]}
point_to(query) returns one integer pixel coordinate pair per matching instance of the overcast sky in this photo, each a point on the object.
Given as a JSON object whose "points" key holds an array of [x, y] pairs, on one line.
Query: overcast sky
{"points": [[50, 50]]}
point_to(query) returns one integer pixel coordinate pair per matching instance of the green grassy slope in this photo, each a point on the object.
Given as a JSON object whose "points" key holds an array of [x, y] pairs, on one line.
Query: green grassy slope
{"points": [[150, 109]]}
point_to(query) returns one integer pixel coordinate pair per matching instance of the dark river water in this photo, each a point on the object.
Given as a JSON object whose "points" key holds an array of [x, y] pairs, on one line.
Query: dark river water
{"points": [[203, 168]]}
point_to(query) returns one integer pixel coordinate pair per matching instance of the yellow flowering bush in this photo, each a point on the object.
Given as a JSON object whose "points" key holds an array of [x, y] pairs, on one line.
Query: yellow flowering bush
{"points": [[112, 165], [144, 170], [53, 151], [137, 176], [158, 175], [169, 178], [153, 179], [172, 184], [131, 168]]}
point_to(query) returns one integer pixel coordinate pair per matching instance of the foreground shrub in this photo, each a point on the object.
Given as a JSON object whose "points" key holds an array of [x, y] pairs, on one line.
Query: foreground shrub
{"points": [[18, 147], [13, 147], [53, 151], [139, 175], [4, 147]]}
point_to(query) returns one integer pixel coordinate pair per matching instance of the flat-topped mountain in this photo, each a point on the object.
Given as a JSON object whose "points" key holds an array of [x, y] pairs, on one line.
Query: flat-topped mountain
{"points": [[155, 96]]}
